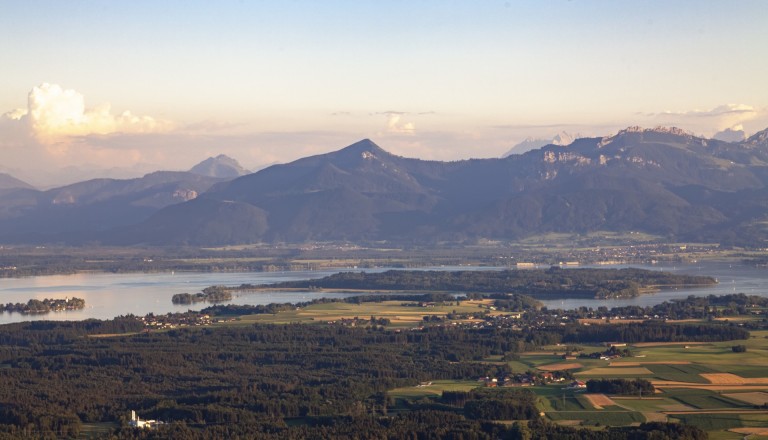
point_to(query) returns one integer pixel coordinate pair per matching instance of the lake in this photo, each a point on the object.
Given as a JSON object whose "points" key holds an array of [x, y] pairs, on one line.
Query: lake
{"points": [[109, 295]]}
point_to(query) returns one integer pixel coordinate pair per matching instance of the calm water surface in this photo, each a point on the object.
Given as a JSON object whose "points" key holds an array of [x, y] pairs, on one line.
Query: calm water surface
{"points": [[110, 295]]}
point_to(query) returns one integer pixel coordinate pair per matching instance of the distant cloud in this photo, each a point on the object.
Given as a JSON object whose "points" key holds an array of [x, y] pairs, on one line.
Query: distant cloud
{"points": [[395, 125], [733, 134], [54, 112], [725, 109], [716, 119], [56, 130]]}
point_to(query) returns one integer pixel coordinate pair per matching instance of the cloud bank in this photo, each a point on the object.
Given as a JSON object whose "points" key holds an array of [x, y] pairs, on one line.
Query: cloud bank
{"points": [[720, 118], [54, 112], [57, 130]]}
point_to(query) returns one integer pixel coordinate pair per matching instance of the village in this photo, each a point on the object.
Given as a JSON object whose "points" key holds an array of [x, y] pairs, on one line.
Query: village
{"points": [[179, 320]]}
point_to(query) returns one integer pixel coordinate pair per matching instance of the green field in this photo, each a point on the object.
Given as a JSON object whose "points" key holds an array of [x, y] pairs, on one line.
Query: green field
{"points": [[653, 404], [681, 373], [704, 399], [602, 418], [712, 422], [566, 403], [97, 430], [434, 390], [400, 313]]}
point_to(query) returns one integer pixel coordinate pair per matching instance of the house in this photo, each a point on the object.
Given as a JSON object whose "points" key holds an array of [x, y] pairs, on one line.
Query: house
{"points": [[577, 384], [136, 422]]}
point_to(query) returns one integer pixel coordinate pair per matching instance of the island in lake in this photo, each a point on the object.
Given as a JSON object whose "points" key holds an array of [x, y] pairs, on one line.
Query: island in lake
{"points": [[552, 283], [44, 306], [211, 294]]}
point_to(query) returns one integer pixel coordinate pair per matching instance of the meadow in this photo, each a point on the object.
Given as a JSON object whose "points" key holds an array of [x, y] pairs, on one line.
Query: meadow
{"points": [[706, 385]]}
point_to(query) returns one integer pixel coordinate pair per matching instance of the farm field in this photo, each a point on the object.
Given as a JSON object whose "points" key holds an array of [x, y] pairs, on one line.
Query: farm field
{"points": [[400, 313], [616, 371], [757, 398], [716, 386], [435, 388], [707, 385]]}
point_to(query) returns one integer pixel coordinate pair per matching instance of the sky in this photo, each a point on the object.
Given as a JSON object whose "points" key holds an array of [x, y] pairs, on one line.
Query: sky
{"points": [[120, 88]]}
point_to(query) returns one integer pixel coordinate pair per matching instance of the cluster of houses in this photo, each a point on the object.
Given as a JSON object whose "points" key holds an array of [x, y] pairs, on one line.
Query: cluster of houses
{"points": [[355, 322], [527, 379], [178, 320]]}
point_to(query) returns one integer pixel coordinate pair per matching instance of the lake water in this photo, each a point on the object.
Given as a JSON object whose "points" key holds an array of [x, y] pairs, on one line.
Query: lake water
{"points": [[110, 295]]}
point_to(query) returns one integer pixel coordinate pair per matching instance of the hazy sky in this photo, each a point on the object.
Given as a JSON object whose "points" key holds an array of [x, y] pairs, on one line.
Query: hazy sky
{"points": [[143, 85]]}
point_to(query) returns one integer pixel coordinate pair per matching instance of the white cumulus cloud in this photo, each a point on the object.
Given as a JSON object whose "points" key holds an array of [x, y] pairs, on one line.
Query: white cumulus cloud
{"points": [[53, 112], [396, 125], [57, 130]]}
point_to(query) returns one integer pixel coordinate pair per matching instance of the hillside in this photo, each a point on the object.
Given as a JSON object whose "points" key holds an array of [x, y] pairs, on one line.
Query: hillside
{"points": [[663, 182], [74, 213]]}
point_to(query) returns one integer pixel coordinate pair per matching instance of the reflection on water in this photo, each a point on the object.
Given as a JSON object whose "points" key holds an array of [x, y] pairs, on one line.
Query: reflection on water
{"points": [[110, 295]]}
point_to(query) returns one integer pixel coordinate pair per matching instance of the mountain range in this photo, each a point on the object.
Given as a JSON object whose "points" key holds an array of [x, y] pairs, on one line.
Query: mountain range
{"points": [[662, 181]]}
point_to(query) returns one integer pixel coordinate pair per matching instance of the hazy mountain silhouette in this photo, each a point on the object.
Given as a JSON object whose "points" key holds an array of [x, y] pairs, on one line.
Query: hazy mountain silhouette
{"points": [[221, 166], [661, 181], [80, 209], [9, 182]]}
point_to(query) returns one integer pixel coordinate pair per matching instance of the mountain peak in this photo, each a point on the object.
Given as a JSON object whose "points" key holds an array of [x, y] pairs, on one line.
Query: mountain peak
{"points": [[221, 166], [364, 150], [365, 145], [759, 138]]}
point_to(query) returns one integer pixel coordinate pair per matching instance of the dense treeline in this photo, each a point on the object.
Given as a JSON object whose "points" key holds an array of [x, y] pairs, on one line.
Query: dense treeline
{"points": [[699, 307], [422, 425], [235, 375], [247, 381], [493, 404], [549, 283], [653, 332], [620, 386]]}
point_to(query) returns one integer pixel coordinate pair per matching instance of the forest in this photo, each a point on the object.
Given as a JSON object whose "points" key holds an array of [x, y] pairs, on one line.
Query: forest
{"points": [[620, 386], [286, 381], [538, 283]]}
